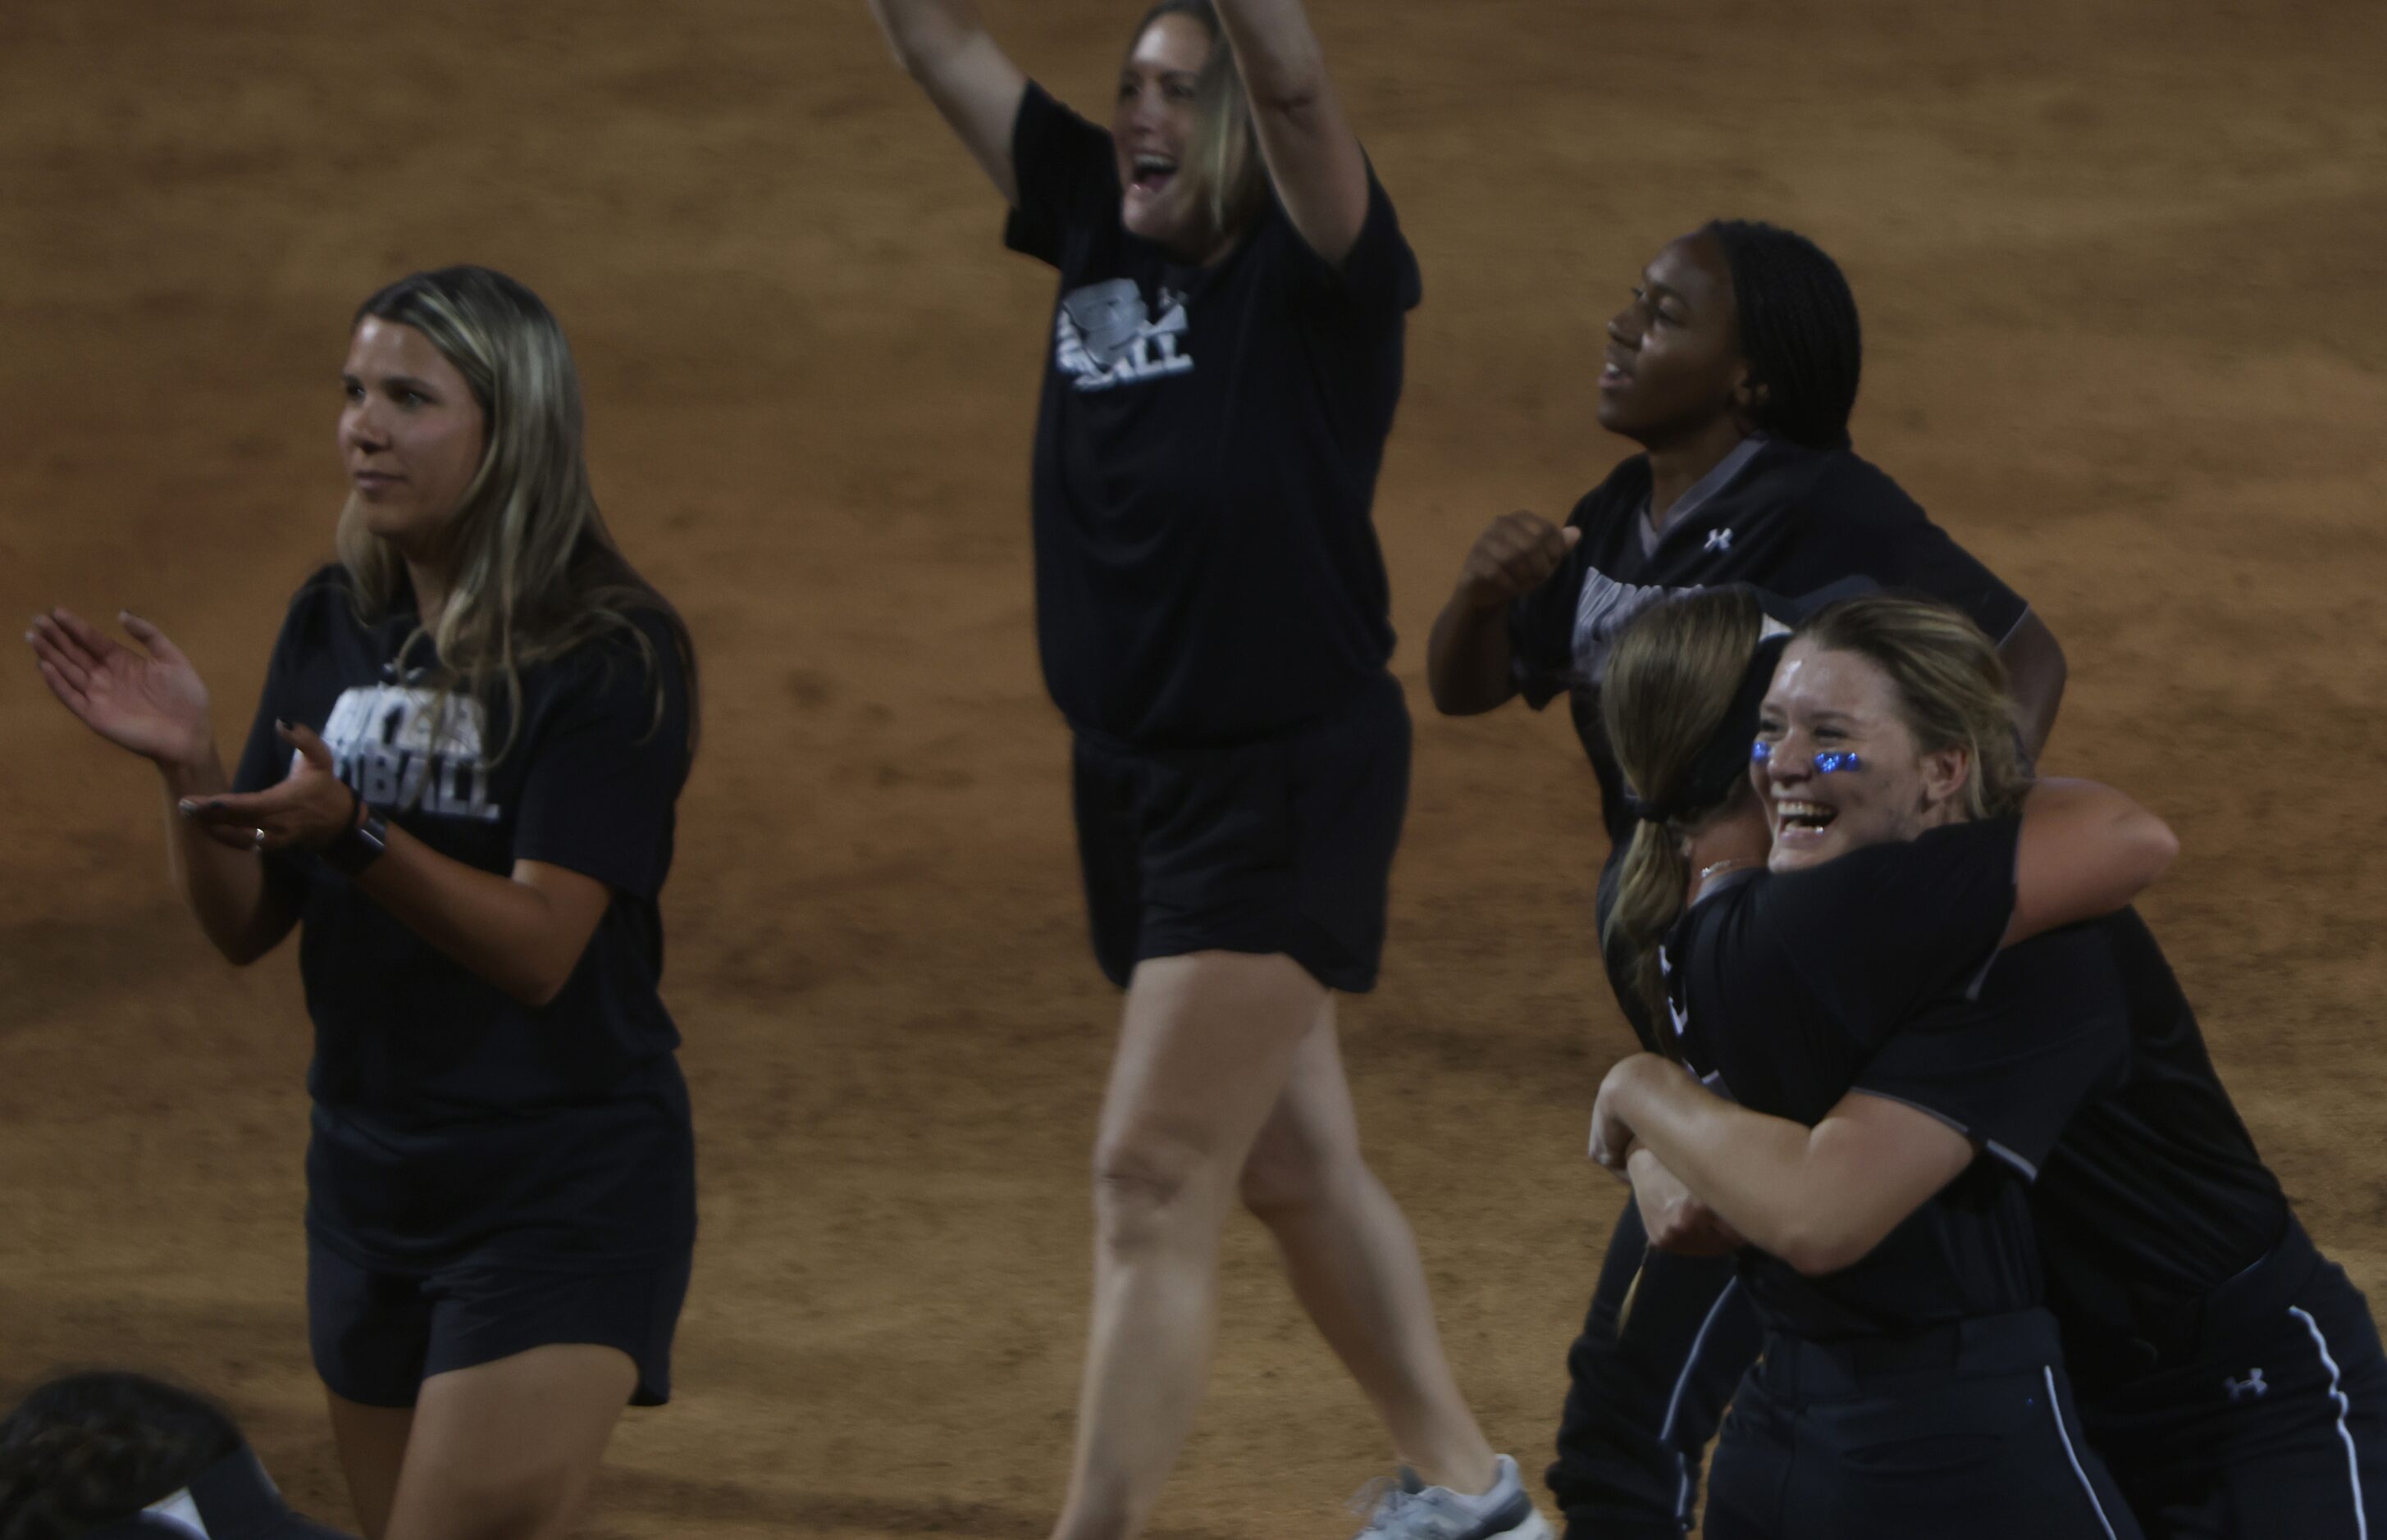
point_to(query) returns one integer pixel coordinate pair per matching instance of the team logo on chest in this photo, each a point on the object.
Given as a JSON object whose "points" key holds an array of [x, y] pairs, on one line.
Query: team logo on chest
{"points": [[403, 747], [1104, 336]]}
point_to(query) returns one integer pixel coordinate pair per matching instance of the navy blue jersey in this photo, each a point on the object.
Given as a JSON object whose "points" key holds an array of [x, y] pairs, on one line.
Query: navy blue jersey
{"points": [[1786, 992], [1786, 519], [450, 1117], [1206, 449], [2155, 1195]]}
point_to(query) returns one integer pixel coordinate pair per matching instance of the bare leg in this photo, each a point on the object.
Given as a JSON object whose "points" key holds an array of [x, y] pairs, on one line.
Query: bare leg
{"points": [[372, 1447], [1354, 1264], [506, 1450], [1204, 1052]]}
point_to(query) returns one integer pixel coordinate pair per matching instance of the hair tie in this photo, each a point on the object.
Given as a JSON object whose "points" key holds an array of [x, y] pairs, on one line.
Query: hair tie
{"points": [[1648, 813]]}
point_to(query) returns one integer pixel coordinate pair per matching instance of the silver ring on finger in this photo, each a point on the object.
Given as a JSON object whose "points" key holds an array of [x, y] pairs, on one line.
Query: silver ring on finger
{"points": [[261, 839]]}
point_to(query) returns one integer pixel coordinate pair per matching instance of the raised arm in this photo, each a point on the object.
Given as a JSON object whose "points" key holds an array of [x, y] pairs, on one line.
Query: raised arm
{"points": [[1313, 158], [943, 44], [1820, 1198], [2085, 849]]}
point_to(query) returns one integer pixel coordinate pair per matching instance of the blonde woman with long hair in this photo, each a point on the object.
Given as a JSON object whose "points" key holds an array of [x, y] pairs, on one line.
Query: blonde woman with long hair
{"points": [[2229, 1375], [1212, 613], [460, 787]]}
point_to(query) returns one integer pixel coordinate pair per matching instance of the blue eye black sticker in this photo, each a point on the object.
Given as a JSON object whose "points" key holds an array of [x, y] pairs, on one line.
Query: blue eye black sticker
{"points": [[1826, 764]]}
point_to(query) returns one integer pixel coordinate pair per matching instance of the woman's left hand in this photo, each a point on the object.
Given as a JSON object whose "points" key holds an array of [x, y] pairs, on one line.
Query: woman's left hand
{"points": [[310, 809]]}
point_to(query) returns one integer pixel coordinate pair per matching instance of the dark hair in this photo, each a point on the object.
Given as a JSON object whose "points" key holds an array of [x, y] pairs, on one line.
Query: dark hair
{"points": [[86, 1448], [1798, 330]]}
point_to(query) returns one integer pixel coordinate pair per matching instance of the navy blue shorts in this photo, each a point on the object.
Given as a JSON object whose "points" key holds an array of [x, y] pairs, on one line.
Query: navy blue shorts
{"points": [[1281, 845], [1965, 1431], [2268, 1417], [377, 1336]]}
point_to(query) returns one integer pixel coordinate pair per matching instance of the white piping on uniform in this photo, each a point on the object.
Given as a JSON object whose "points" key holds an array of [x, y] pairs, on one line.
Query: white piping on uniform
{"points": [[177, 1512], [1675, 1402], [2055, 1410], [2353, 1467]]}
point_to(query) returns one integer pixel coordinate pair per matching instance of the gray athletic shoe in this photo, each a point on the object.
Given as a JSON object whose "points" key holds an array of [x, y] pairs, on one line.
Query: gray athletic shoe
{"points": [[1407, 1509]]}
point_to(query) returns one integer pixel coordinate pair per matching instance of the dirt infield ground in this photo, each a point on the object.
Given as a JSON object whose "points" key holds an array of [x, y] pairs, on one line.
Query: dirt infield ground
{"points": [[2121, 270]]}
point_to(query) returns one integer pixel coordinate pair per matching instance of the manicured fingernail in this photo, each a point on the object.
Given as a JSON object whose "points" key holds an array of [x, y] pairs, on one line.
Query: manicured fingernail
{"points": [[284, 725], [186, 807]]}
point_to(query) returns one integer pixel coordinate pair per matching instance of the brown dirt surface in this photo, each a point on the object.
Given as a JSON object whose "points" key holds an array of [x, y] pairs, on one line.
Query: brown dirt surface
{"points": [[2121, 271]]}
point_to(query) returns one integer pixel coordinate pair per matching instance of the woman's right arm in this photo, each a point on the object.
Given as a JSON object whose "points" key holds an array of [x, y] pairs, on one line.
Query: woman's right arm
{"points": [[943, 44], [2085, 849], [157, 707], [1468, 665]]}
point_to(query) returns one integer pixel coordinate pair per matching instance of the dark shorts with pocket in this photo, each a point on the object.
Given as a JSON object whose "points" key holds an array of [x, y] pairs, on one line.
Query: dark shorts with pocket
{"points": [[1965, 1431], [376, 1336], [1282, 844]]}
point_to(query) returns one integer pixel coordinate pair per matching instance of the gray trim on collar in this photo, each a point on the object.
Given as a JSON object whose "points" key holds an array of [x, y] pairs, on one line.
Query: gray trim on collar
{"points": [[1716, 480]]}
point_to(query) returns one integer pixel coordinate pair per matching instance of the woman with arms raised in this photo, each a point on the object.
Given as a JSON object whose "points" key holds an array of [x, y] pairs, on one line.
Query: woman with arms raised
{"points": [[1212, 619]]}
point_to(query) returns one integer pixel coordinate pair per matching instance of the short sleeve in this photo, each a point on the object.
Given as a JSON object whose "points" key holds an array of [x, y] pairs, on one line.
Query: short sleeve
{"points": [[599, 792], [264, 758], [1910, 552], [1066, 174], [2050, 1032], [1881, 932], [1378, 275]]}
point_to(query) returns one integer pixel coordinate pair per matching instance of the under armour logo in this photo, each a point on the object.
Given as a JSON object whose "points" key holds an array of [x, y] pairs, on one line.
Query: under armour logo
{"points": [[1719, 539], [2250, 1386]]}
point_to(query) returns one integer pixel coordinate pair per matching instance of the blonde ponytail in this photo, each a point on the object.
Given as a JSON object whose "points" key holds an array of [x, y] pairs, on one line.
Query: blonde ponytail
{"points": [[1674, 680]]}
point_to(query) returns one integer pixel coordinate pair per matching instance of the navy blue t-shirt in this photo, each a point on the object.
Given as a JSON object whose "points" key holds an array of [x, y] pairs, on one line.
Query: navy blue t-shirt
{"points": [[1786, 992], [1206, 450], [2155, 1195], [1790, 520], [451, 1119]]}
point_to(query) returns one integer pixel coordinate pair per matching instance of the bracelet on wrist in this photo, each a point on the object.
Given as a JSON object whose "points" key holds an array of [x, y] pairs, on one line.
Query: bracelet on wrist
{"points": [[359, 845]]}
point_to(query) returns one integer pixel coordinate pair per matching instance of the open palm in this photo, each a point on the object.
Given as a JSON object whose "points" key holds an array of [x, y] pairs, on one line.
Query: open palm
{"points": [[153, 704]]}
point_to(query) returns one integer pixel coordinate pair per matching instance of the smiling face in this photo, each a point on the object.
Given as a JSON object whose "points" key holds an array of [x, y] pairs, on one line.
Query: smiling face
{"points": [[1843, 703], [411, 435], [1153, 129], [1673, 361]]}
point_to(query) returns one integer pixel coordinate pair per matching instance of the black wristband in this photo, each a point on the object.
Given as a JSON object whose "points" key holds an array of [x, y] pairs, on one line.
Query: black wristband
{"points": [[361, 844]]}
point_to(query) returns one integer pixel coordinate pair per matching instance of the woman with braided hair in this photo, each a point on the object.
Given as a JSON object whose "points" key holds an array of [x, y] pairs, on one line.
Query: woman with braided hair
{"points": [[1734, 367]]}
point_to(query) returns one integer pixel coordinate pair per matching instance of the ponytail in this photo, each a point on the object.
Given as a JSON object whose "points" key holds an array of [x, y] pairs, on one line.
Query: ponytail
{"points": [[1680, 703]]}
